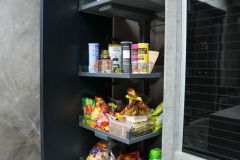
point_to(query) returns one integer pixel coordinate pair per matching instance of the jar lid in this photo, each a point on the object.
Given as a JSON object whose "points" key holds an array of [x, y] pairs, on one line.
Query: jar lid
{"points": [[93, 44], [126, 42], [104, 54], [134, 46]]}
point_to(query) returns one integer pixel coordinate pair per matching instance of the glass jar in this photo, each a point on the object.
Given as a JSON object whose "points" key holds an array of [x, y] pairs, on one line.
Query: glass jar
{"points": [[105, 66]]}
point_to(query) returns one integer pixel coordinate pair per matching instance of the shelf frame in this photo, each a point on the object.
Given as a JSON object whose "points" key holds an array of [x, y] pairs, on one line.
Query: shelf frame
{"points": [[137, 10], [105, 136], [121, 75]]}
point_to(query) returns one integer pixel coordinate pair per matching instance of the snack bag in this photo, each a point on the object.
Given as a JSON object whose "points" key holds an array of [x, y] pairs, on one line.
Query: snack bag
{"points": [[101, 151], [157, 117], [129, 156], [96, 112], [87, 104], [102, 104], [158, 110], [103, 122]]}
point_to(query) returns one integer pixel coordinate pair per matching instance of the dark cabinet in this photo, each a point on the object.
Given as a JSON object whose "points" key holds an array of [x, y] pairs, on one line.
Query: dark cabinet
{"points": [[65, 34]]}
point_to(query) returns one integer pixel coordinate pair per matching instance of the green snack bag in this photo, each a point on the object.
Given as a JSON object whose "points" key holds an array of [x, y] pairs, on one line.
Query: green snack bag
{"points": [[156, 117], [87, 104], [158, 110], [87, 101]]}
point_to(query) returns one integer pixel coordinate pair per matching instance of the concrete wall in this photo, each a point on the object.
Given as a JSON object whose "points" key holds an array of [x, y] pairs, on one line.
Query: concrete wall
{"points": [[19, 80]]}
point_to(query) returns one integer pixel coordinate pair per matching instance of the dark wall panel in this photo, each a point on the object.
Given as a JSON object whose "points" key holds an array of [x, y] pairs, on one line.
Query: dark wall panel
{"points": [[65, 34]]}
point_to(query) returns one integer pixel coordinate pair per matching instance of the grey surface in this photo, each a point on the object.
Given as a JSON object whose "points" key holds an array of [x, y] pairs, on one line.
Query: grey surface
{"points": [[151, 5], [19, 80], [137, 10], [105, 135], [174, 73], [121, 75], [231, 113], [172, 80]]}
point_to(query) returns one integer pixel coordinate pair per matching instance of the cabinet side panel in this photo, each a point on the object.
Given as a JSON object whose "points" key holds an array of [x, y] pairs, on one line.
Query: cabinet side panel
{"points": [[65, 34]]}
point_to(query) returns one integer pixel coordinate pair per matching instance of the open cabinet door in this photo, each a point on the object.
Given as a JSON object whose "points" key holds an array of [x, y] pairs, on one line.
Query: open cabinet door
{"points": [[65, 34]]}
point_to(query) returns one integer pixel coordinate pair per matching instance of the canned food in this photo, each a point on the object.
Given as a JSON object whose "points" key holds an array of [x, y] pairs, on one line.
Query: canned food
{"points": [[115, 52], [93, 51], [143, 57], [134, 58], [126, 56]]}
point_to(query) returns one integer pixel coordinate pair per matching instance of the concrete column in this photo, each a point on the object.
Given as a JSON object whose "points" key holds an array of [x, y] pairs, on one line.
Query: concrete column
{"points": [[172, 78], [19, 80]]}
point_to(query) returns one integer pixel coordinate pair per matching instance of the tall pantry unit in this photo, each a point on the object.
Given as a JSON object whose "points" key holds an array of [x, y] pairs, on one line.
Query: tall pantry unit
{"points": [[67, 26]]}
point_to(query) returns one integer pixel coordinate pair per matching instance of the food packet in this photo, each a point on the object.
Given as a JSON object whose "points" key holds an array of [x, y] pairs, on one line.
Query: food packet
{"points": [[96, 112], [157, 117], [103, 122], [116, 106], [102, 104], [99, 112], [87, 104], [158, 110], [101, 151], [129, 156], [87, 101]]}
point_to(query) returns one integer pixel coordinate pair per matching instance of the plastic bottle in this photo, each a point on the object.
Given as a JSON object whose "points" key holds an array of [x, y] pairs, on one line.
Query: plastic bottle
{"points": [[155, 154]]}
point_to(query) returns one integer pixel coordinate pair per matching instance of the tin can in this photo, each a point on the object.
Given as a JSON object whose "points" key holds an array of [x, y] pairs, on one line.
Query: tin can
{"points": [[93, 51], [115, 52], [134, 58], [143, 57], [126, 56]]}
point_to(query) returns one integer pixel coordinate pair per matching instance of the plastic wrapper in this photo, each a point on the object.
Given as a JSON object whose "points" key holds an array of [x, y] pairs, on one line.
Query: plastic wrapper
{"points": [[102, 104], [87, 104], [100, 108], [101, 151], [119, 128], [116, 106], [129, 156], [96, 112], [103, 122], [156, 117], [158, 110], [141, 128], [137, 119], [157, 120]]}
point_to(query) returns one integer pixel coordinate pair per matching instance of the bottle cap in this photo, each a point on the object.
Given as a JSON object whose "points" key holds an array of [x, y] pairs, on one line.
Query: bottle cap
{"points": [[134, 46]]}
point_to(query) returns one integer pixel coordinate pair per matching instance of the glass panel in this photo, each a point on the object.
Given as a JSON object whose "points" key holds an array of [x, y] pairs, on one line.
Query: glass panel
{"points": [[212, 93]]}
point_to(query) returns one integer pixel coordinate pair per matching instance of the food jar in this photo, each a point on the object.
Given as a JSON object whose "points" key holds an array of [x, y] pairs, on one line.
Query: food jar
{"points": [[105, 66]]}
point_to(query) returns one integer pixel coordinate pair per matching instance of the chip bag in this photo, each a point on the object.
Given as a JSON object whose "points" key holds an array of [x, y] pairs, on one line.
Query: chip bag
{"points": [[129, 156], [87, 104], [103, 122], [157, 117], [101, 151]]}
